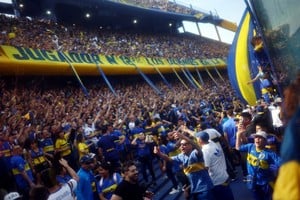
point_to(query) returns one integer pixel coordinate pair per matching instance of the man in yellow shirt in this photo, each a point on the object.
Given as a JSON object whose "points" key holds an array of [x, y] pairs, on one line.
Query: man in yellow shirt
{"points": [[62, 146]]}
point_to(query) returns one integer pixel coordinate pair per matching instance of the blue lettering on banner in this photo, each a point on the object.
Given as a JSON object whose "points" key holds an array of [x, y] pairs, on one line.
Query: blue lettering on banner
{"points": [[171, 61], [75, 57], [215, 61], [111, 59], [204, 62], [86, 58], [41, 55], [34, 54], [48, 55], [126, 60], [22, 55], [63, 57], [154, 61], [96, 58]]}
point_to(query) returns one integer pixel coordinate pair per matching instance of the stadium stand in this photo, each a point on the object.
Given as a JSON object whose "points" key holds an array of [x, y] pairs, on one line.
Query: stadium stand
{"points": [[31, 107], [22, 31]]}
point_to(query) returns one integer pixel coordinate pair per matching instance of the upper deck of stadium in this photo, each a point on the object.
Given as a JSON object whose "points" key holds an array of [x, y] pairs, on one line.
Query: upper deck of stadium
{"points": [[146, 15], [148, 27]]}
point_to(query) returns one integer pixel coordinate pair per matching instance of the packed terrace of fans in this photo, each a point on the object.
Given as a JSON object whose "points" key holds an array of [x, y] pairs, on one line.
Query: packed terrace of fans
{"points": [[163, 5], [52, 36], [31, 107]]}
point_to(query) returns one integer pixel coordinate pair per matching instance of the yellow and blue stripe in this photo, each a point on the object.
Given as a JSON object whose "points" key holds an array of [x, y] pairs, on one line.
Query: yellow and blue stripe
{"points": [[240, 65]]}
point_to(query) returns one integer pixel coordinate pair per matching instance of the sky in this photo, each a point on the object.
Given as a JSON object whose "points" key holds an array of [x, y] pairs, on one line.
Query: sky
{"points": [[231, 10]]}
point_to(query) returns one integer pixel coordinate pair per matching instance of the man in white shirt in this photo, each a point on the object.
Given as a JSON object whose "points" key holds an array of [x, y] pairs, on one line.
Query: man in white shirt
{"points": [[57, 191], [89, 130], [214, 135], [214, 160], [275, 109]]}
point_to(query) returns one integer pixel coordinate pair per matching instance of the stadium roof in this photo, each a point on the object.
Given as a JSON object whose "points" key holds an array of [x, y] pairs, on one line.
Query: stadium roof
{"points": [[104, 13]]}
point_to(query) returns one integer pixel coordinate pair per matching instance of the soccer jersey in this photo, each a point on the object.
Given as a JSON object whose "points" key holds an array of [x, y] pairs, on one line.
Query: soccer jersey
{"points": [[108, 146], [63, 144], [143, 149], [83, 149], [193, 166], [47, 145], [107, 186], [18, 165], [259, 163]]}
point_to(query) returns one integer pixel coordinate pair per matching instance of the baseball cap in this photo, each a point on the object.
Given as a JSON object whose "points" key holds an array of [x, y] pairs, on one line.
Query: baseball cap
{"points": [[12, 196], [87, 159], [260, 134], [203, 136]]}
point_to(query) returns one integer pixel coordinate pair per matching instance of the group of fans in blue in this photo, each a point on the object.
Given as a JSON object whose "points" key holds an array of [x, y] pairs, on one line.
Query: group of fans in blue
{"points": [[173, 139], [201, 140]]}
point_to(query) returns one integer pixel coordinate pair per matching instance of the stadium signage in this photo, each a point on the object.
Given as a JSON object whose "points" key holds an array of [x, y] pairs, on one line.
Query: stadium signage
{"points": [[154, 61], [27, 60], [174, 61], [54, 56]]}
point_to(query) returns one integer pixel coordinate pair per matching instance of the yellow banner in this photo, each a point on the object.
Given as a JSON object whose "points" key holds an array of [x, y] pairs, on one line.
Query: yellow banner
{"points": [[20, 60]]}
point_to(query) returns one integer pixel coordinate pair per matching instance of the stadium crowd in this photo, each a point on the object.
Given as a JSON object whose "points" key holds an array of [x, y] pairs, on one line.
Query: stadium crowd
{"points": [[32, 114], [52, 36], [164, 5], [51, 130]]}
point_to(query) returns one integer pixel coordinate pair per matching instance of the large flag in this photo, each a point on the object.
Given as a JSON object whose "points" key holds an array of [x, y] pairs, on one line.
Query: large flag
{"points": [[241, 63]]}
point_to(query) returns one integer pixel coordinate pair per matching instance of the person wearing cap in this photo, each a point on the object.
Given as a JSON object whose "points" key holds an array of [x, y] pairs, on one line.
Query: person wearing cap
{"points": [[262, 163], [86, 185], [13, 196], [191, 158], [214, 161], [245, 124]]}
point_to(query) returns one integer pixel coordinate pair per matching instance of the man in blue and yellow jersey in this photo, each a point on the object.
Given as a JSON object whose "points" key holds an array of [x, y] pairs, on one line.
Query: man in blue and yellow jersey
{"points": [[6, 177], [62, 146], [21, 171], [47, 144], [262, 163], [191, 158]]}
